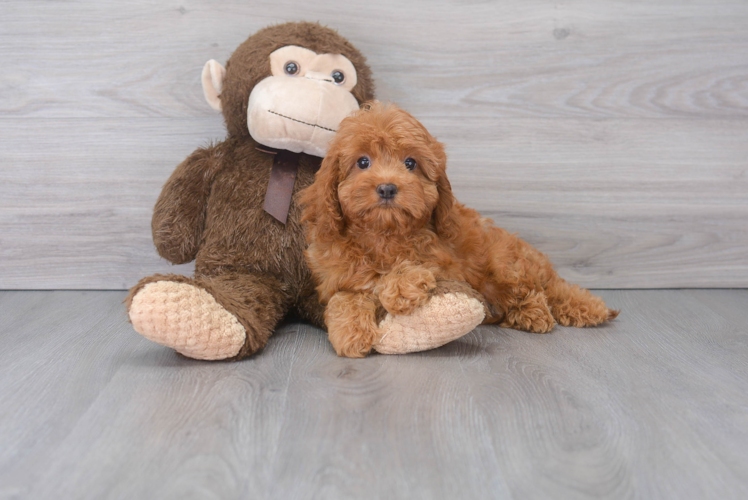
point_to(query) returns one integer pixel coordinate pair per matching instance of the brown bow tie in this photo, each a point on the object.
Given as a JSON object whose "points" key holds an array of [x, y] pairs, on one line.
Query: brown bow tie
{"points": [[282, 179]]}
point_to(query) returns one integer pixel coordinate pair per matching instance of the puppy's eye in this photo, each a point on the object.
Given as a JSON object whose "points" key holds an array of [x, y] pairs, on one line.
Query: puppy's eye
{"points": [[410, 163], [291, 68], [338, 77], [363, 163]]}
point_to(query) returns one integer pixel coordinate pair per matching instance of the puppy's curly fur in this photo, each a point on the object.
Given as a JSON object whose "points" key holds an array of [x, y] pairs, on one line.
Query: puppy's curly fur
{"points": [[368, 248]]}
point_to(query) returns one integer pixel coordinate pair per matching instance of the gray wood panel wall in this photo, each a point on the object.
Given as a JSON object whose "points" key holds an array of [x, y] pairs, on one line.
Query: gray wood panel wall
{"points": [[613, 135]]}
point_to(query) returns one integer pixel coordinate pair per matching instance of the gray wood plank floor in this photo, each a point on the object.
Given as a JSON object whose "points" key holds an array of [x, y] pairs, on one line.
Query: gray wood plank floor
{"points": [[654, 405]]}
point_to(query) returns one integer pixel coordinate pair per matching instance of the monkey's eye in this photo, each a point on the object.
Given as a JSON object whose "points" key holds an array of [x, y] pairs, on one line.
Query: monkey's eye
{"points": [[338, 77], [410, 163], [291, 68], [363, 163]]}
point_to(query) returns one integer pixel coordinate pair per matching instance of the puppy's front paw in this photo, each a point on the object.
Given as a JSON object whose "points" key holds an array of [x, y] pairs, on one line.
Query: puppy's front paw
{"points": [[404, 290], [351, 324]]}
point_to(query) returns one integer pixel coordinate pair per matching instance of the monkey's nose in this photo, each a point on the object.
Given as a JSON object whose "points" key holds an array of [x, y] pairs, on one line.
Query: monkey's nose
{"points": [[387, 191], [313, 75]]}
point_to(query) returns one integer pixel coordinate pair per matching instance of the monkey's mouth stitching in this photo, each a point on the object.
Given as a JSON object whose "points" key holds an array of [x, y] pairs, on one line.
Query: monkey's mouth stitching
{"points": [[299, 121]]}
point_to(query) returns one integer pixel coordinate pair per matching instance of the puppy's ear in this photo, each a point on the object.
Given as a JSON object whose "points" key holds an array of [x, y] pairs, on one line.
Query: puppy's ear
{"points": [[322, 214], [446, 221]]}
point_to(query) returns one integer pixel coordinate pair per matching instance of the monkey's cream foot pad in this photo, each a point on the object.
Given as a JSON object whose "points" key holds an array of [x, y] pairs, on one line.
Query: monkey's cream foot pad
{"points": [[443, 319], [188, 319]]}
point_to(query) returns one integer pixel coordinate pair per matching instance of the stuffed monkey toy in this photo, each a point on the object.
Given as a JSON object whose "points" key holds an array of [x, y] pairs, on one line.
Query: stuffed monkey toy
{"points": [[232, 207]]}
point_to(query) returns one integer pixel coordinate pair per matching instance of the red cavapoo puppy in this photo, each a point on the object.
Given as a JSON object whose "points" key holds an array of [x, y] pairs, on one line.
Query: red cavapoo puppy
{"points": [[383, 227]]}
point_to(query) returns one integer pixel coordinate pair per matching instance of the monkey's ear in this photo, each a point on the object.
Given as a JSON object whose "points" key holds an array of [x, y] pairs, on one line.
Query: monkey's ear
{"points": [[213, 74]]}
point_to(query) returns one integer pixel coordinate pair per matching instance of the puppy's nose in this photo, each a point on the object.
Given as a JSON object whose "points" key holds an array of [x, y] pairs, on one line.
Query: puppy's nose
{"points": [[387, 191]]}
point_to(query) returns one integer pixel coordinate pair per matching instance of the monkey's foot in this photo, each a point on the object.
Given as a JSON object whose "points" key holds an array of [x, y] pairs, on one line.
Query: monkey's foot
{"points": [[186, 318], [444, 318]]}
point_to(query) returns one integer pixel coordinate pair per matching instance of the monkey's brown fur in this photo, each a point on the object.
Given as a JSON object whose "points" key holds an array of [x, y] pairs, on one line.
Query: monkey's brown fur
{"points": [[210, 209]]}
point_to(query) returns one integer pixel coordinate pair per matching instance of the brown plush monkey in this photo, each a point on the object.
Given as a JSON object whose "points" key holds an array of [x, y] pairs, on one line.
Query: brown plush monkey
{"points": [[232, 206]]}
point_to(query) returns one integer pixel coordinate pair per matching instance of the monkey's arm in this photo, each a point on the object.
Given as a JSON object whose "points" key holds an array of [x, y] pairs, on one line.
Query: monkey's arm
{"points": [[179, 215]]}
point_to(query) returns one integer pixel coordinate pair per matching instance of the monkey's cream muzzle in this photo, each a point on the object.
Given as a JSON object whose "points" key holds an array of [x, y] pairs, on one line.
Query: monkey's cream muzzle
{"points": [[300, 105], [298, 114]]}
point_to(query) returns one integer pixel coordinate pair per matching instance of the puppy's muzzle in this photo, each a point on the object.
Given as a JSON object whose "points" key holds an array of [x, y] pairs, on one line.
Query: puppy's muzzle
{"points": [[386, 191]]}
